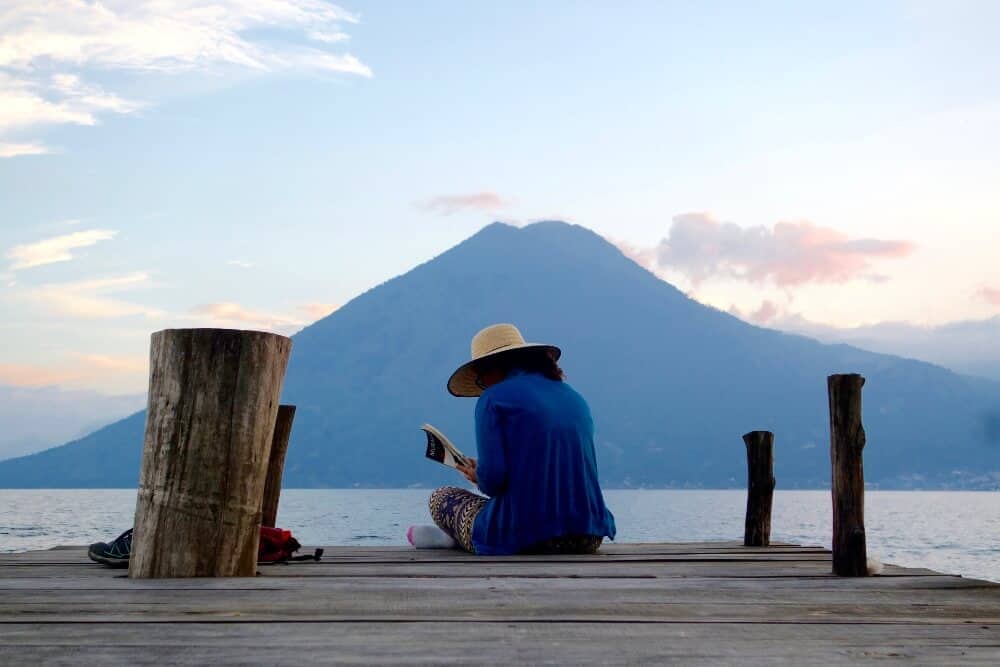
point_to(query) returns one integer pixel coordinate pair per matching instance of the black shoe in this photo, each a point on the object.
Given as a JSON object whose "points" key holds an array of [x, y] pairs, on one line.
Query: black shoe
{"points": [[115, 554]]}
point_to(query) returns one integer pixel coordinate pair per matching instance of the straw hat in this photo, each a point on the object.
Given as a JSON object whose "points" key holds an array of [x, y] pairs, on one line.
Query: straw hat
{"points": [[492, 341]]}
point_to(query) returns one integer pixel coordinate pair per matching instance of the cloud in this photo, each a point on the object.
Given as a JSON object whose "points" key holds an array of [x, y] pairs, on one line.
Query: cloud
{"points": [[58, 100], [89, 298], [78, 370], [990, 295], [789, 254], [106, 362], [317, 310], [228, 313], [55, 249], [44, 47], [644, 257], [767, 312], [240, 263], [448, 204], [8, 149]]}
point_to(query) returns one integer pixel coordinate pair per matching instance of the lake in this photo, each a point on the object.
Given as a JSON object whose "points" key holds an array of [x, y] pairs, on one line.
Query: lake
{"points": [[957, 532]]}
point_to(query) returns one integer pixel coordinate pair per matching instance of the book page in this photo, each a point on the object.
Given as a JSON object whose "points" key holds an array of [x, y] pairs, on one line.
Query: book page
{"points": [[440, 449]]}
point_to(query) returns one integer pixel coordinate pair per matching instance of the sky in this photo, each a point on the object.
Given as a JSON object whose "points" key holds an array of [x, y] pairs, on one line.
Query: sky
{"points": [[259, 163]]}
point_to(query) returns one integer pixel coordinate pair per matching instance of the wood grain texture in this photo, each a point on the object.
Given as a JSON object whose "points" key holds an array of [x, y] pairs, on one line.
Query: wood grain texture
{"points": [[213, 401], [847, 440], [492, 642], [276, 464], [760, 488], [696, 603]]}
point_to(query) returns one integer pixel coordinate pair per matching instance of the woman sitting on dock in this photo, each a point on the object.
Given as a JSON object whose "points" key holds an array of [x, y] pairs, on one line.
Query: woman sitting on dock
{"points": [[536, 460]]}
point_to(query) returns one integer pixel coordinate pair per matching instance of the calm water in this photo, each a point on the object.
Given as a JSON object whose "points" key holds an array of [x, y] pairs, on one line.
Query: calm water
{"points": [[949, 531]]}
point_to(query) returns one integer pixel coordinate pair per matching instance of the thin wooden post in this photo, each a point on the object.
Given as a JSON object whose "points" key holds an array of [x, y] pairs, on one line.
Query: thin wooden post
{"points": [[213, 401], [276, 465], [760, 488], [847, 440]]}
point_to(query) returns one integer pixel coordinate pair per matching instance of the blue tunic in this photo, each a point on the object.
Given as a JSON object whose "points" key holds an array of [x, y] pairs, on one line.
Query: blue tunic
{"points": [[535, 441]]}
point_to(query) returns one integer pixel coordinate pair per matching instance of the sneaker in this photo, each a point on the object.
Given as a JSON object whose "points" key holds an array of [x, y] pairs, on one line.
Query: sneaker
{"points": [[115, 554]]}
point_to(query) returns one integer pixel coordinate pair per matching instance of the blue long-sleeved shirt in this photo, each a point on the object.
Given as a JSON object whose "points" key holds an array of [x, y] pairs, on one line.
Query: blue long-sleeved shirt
{"points": [[535, 441]]}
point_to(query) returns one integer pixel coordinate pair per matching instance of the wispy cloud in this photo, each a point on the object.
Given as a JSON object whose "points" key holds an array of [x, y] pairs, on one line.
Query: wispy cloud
{"points": [[644, 257], [990, 295], [789, 254], [27, 103], [11, 149], [229, 313], [93, 298], [448, 204], [55, 249], [116, 364], [45, 46], [764, 314], [78, 370], [317, 310], [239, 263]]}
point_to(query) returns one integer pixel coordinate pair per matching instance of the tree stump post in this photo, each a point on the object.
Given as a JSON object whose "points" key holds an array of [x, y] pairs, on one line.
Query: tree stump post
{"points": [[213, 402], [760, 488], [276, 465], [847, 440]]}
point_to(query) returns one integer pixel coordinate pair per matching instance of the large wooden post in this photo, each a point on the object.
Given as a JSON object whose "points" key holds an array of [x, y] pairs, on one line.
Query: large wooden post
{"points": [[760, 488], [213, 401], [847, 439], [276, 466]]}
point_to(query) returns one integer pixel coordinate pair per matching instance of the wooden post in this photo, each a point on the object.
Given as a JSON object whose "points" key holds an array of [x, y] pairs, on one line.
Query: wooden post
{"points": [[276, 465], [760, 488], [847, 439], [213, 402]]}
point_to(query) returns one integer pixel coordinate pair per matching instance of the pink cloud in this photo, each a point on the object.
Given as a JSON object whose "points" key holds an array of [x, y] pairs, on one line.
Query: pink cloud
{"points": [[990, 295], [80, 370], [448, 204], [791, 253], [229, 314], [317, 310], [644, 257], [767, 312]]}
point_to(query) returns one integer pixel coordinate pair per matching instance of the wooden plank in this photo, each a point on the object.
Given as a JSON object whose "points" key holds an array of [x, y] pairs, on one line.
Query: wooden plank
{"points": [[540, 570], [671, 586], [491, 642], [710, 602], [416, 605], [71, 558], [79, 554]]}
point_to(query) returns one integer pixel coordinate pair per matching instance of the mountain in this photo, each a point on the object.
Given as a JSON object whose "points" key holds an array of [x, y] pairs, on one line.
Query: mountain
{"points": [[672, 384], [968, 346], [35, 418]]}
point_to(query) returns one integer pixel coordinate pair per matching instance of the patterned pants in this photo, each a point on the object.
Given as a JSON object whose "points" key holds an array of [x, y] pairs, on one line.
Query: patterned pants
{"points": [[454, 511]]}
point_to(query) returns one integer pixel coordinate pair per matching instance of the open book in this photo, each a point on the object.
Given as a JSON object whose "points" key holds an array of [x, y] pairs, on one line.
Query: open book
{"points": [[440, 449]]}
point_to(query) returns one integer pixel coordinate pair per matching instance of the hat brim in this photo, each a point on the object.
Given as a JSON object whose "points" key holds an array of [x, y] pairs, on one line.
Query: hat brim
{"points": [[462, 382]]}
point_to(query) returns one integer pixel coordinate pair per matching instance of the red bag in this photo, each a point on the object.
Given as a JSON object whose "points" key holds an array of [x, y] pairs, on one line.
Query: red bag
{"points": [[278, 546]]}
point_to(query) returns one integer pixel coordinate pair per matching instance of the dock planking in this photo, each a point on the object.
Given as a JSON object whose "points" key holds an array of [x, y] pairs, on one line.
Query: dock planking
{"points": [[706, 602]]}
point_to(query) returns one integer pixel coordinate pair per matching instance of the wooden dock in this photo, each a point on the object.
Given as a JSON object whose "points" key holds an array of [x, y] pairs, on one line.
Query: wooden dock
{"points": [[689, 603]]}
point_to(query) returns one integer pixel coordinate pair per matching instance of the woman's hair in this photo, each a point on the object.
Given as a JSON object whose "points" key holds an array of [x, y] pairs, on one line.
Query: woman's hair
{"points": [[529, 360]]}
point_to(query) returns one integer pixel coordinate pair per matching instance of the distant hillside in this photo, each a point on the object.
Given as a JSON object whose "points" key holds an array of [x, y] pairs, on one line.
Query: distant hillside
{"points": [[971, 346], [672, 384], [35, 418]]}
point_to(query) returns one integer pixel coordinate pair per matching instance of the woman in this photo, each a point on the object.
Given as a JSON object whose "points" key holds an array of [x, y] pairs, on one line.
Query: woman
{"points": [[536, 462]]}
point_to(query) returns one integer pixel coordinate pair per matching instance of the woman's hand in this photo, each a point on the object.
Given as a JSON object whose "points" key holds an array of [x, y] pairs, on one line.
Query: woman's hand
{"points": [[469, 471]]}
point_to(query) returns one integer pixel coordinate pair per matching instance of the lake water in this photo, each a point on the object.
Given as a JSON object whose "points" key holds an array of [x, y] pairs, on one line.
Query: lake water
{"points": [[950, 531]]}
